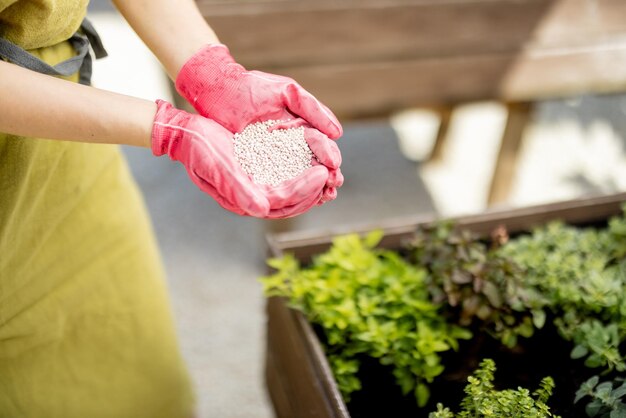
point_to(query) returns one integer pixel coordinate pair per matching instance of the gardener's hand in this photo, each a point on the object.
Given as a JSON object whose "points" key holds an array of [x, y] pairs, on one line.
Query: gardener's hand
{"points": [[226, 92], [219, 88], [206, 150]]}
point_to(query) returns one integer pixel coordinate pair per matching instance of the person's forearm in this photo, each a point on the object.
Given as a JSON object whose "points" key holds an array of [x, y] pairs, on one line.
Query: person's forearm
{"points": [[36, 105], [173, 29]]}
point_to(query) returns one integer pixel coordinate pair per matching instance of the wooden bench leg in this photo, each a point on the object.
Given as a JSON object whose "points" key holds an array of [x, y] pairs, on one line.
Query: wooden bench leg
{"points": [[501, 182], [445, 114]]}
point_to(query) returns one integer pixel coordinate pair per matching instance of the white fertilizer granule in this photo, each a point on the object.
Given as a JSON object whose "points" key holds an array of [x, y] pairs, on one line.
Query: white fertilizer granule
{"points": [[272, 157]]}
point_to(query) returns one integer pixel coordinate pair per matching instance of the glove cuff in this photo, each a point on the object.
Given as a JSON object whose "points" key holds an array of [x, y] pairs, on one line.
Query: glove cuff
{"points": [[202, 75], [164, 138]]}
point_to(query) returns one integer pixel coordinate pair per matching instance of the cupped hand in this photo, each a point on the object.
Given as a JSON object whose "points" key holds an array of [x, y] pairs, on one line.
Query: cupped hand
{"points": [[206, 149], [326, 153], [223, 90]]}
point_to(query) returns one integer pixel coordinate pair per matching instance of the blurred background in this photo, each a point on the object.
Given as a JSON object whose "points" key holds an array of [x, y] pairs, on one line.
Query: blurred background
{"points": [[445, 133]]}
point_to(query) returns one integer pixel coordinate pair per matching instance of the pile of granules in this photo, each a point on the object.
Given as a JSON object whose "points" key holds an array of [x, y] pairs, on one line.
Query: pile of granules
{"points": [[272, 157]]}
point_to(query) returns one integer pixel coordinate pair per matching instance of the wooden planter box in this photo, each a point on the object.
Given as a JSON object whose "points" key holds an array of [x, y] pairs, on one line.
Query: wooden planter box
{"points": [[299, 379]]}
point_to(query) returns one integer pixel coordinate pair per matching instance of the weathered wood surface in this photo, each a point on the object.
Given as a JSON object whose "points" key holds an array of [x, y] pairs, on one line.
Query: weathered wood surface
{"points": [[287, 357], [298, 376], [305, 32], [369, 57]]}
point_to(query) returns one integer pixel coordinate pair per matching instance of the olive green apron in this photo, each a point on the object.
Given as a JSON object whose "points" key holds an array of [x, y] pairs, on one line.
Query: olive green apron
{"points": [[85, 323]]}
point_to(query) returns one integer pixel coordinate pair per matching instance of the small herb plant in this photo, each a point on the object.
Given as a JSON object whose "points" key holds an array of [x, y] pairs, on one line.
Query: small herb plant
{"points": [[581, 275], [606, 398], [482, 400], [479, 286], [369, 302]]}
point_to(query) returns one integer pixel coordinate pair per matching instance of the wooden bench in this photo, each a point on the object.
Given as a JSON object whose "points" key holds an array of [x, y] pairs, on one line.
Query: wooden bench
{"points": [[369, 58]]}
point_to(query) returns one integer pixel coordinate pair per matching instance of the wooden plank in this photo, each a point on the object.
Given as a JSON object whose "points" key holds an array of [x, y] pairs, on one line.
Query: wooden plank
{"points": [[380, 88], [304, 244], [275, 382], [305, 32], [318, 358], [597, 66], [294, 381], [598, 18], [358, 33], [506, 162]]}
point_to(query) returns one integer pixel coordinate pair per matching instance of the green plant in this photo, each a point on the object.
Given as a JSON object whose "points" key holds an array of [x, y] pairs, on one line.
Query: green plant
{"points": [[606, 398], [479, 285], [580, 273], [483, 400], [369, 302], [616, 237]]}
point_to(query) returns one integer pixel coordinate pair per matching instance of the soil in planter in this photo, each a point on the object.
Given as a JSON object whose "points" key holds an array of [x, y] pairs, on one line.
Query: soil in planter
{"points": [[546, 354]]}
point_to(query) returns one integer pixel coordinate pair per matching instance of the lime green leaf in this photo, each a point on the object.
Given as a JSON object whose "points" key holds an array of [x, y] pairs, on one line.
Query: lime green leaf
{"points": [[373, 238], [422, 393]]}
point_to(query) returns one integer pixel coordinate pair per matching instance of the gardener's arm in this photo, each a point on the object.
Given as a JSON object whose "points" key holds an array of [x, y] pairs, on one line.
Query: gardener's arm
{"points": [[35, 105], [173, 30], [210, 79]]}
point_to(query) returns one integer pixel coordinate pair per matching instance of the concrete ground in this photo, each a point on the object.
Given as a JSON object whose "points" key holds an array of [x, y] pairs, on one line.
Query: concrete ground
{"points": [[213, 258]]}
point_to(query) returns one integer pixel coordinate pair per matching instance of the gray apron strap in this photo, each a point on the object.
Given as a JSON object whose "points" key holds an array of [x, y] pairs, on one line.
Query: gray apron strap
{"points": [[80, 62]]}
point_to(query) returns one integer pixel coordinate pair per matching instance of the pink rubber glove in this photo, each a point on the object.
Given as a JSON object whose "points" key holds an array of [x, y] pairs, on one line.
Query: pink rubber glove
{"points": [[326, 153], [221, 89], [206, 150]]}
